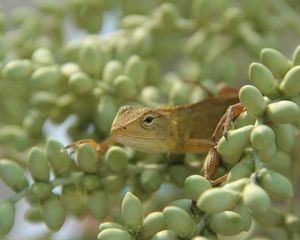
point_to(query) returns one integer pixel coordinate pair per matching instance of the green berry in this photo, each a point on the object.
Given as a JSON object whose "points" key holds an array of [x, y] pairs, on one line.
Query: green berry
{"points": [[80, 83], [112, 70], [151, 180], [278, 186], [87, 158], [7, 217], [17, 70], [97, 204], [89, 58], [217, 200], [226, 223], [242, 169], [275, 61], [195, 185], [133, 212], [285, 136], [262, 137], [38, 165], [45, 77], [108, 225], [282, 112], [180, 222], [256, 199], [290, 84], [43, 56], [165, 235], [153, 223], [116, 159], [262, 78], [135, 70], [53, 213], [125, 87], [252, 99], [236, 141], [58, 157], [114, 234], [41, 190], [12, 175]]}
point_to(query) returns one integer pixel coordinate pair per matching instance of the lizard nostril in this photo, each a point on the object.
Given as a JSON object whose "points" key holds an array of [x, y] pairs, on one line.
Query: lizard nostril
{"points": [[124, 128]]}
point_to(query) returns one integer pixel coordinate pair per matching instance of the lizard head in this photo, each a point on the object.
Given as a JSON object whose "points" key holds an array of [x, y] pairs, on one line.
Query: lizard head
{"points": [[144, 129]]}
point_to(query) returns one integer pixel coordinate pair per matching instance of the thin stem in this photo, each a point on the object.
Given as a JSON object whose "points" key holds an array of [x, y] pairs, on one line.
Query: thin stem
{"points": [[202, 224], [54, 183]]}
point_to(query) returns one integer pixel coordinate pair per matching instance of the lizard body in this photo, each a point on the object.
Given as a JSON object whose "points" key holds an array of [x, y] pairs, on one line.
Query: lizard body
{"points": [[187, 128], [169, 128]]}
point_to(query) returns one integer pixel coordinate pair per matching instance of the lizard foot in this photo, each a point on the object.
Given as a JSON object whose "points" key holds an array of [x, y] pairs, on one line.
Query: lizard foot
{"points": [[75, 145], [232, 112]]}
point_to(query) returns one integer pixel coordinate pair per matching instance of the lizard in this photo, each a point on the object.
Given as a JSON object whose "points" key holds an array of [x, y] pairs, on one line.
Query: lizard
{"points": [[190, 128]]}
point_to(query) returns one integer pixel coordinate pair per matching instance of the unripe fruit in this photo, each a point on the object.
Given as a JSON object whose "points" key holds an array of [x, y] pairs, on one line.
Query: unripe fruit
{"points": [[195, 185], [109, 225], [53, 213], [275, 184], [13, 175], [285, 136], [38, 165], [153, 223], [133, 213], [282, 112], [165, 235], [242, 169], [275, 61], [97, 204], [256, 199], [151, 180], [87, 158], [290, 85], [252, 99], [262, 78], [17, 70], [7, 217], [180, 222], [114, 234], [262, 137], [217, 200], [116, 159], [237, 140], [226, 223]]}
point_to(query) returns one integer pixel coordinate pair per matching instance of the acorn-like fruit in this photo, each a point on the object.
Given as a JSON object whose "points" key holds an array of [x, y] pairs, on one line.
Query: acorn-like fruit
{"points": [[242, 169]]}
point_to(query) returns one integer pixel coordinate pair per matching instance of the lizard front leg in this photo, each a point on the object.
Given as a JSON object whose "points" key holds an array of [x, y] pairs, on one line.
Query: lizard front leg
{"points": [[100, 148]]}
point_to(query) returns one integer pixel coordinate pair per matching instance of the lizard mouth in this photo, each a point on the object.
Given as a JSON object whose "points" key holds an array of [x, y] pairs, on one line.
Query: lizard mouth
{"points": [[144, 144]]}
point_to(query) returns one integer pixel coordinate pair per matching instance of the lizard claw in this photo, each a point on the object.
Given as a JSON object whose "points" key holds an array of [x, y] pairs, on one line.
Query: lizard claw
{"points": [[75, 145]]}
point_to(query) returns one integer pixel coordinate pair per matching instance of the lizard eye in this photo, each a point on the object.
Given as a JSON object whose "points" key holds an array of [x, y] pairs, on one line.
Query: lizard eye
{"points": [[148, 120]]}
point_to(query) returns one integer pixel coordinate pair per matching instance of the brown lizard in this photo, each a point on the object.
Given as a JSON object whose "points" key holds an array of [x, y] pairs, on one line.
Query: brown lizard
{"points": [[188, 128]]}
